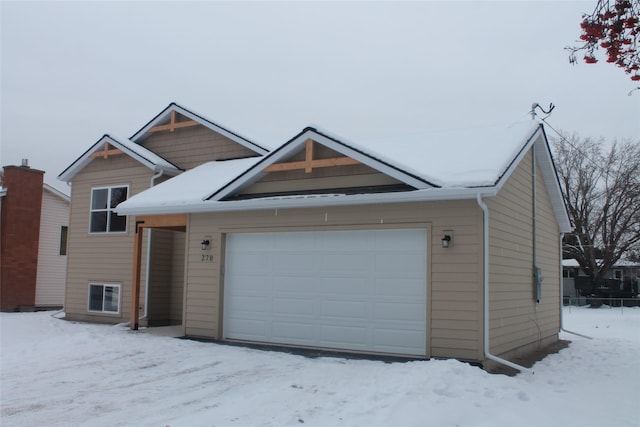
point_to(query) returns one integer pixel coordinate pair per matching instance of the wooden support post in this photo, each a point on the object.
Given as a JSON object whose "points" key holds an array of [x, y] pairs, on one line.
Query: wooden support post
{"points": [[309, 156], [135, 280]]}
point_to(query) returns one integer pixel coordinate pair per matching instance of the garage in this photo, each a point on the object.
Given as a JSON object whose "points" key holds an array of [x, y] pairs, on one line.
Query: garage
{"points": [[355, 290]]}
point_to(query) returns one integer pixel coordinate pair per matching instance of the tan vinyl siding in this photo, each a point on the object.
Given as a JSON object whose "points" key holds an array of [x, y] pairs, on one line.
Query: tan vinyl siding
{"points": [[454, 275], [166, 278], [52, 267], [159, 299], [177, 277], [102, 258], [191, 146], [516, 320]]}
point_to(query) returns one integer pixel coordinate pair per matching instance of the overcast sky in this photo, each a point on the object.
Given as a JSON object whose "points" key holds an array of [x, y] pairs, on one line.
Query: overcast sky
{"points": [[73, 71]]}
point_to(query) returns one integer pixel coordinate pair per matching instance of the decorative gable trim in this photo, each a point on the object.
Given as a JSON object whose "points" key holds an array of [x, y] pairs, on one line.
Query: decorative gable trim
{"points": [[277, 161], [108, 146], [157, 124]]}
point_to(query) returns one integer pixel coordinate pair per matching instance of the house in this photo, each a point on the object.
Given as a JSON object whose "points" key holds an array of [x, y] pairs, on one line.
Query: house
{"points": [[441, 245], [99, 269], [34, 218], [623, 277]]}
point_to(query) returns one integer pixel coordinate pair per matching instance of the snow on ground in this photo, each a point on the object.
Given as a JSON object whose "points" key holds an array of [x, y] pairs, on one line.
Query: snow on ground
{"points": [[59, 373]]}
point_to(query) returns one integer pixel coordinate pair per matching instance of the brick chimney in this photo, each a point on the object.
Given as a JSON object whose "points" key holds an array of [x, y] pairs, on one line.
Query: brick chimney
{"points": [[19, 236]]}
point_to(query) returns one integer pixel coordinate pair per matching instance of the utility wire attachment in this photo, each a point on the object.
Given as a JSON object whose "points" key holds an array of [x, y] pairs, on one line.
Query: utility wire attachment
{"points": [[536, 105]]}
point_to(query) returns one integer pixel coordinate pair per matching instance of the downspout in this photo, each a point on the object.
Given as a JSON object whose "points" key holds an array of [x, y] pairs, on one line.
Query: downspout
{"points": [[485, 259], [146, 279], [537, 285], [562, 329]]}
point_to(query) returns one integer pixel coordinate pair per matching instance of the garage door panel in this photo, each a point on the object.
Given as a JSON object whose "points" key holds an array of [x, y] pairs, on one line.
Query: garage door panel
{"points": [[400, 288], [295, 306], [352, 263], [248, 329], [390, 311], [295, 284], [343, 286], [249, 263], [251, 283], [354, 241], [357, 290], [344, 336], [387, 340], [249, 306], [356, 310], [400, 240], [399, 264], [292, 333], [294, 262]]}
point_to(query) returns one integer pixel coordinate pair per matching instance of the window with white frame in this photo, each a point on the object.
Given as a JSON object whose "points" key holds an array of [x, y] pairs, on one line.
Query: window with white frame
{"points": [[104, 298], [617, 274], [103, 202]]}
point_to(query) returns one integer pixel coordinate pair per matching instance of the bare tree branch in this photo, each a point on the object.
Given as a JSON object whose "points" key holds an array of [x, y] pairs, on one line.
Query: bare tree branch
{"points": [[601, 187]]}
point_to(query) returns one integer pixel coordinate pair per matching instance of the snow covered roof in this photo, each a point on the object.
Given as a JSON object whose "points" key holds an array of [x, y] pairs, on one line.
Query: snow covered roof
{"points": [[440, 166], [187, 189], [56, 192], [173, 107], [620, 263], [136, 151], [464, 158]]}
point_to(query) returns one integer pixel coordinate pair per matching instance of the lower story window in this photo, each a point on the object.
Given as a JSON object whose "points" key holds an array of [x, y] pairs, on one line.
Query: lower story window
{"points": [[104, 298]]}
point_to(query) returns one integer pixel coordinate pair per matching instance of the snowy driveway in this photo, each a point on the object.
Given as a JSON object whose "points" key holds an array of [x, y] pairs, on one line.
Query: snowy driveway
{"points": [[57, 373]]}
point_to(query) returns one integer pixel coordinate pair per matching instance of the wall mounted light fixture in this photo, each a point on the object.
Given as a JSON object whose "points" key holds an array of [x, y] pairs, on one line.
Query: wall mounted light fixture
{"points": [[205, 244], [446, 241]]}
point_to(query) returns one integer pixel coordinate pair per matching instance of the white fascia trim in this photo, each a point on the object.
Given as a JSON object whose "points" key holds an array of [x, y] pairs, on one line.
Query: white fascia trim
{"points": [[255, 173], [431, 194]]}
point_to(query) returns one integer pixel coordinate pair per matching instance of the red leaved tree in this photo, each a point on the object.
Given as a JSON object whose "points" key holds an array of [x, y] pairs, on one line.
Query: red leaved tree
{"points": [[615, 27]]}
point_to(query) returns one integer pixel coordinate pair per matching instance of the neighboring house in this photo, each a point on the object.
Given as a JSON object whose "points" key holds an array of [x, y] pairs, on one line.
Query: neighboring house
{"points": [[444, 245], [626, 272], [34, 218]]}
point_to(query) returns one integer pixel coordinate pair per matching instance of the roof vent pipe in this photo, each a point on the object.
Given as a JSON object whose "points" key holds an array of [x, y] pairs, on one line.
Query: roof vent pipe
{"points": [[25, 163]]}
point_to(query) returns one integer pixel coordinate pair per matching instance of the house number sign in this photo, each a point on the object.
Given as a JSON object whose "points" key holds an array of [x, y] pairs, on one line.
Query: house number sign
{"points": [[207, 258]]}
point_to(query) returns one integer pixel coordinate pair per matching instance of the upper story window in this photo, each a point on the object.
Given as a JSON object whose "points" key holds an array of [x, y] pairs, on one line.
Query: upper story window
{"points": [[103, 218]]}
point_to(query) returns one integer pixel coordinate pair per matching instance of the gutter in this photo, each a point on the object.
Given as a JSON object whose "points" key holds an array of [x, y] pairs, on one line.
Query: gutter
{"points": [[485, 258], [200, 206]]}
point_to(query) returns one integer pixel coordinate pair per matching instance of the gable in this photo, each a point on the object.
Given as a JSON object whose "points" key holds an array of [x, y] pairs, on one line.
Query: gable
{"points": [[311, 151], [188, 143], [316, 169], [109, 147], [175, 118]]}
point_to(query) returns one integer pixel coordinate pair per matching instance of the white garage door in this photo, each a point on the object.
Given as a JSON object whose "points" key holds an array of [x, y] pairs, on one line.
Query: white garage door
{"points": [[353, 290]]}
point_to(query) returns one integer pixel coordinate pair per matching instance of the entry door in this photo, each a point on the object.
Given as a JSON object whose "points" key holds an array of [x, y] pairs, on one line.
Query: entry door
{"points": [[361, 290]]}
